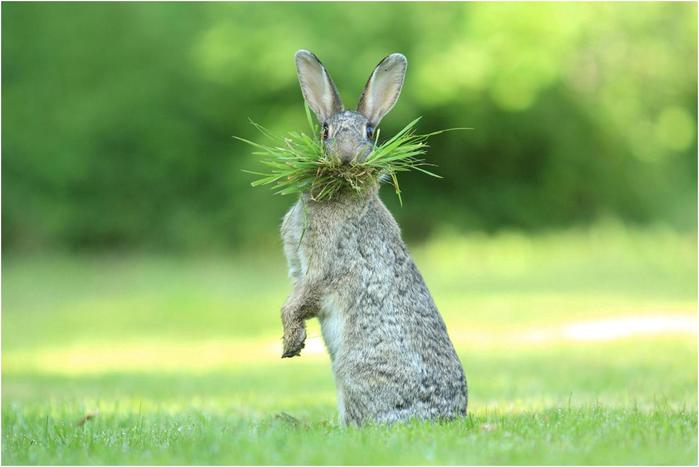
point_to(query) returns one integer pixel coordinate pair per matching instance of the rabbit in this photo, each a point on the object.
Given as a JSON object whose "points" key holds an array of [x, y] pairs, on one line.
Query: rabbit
{"points": [[392, 358]]}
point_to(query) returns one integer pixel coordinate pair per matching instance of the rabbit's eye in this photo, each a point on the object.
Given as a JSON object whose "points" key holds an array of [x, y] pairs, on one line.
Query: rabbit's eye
{"points": [[324, 131], [369, 131]]}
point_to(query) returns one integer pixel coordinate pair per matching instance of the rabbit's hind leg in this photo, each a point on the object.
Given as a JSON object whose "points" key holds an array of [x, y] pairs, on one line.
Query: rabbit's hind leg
{"points": [[361, 403], [354, 405]]}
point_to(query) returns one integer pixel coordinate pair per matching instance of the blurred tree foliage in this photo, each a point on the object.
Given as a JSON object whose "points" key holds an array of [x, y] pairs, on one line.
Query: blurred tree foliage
{"points": [[117, 117]]}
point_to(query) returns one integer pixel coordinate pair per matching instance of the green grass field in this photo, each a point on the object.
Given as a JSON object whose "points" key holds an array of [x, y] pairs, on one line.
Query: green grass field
{"points": [[579, 348]]}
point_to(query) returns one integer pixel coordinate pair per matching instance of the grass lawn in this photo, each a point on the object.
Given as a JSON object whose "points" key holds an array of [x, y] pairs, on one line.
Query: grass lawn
{"points": [[579, 348]]}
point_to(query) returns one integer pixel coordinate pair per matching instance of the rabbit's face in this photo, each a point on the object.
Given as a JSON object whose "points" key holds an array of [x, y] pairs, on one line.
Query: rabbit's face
{"points": [[347, 136]]}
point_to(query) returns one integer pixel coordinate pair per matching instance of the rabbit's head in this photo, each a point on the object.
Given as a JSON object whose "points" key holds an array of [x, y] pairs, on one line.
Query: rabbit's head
{"points": [[349, 135]]}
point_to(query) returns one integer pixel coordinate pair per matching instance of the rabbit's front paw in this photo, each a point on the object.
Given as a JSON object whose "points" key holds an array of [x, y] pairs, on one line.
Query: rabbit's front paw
{"points": [[294, 341]]}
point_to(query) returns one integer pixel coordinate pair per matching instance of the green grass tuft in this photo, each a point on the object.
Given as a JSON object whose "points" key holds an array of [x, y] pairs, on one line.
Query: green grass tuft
{"points": [[298, 163]]}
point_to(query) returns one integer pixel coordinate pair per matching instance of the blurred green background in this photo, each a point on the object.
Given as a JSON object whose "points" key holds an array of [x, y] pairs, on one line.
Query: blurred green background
{"points": [[118, 118], [142, 276]]}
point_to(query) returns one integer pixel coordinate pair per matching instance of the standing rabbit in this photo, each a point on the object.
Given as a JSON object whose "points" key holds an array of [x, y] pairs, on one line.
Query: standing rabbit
{"points": [[390, 351]]}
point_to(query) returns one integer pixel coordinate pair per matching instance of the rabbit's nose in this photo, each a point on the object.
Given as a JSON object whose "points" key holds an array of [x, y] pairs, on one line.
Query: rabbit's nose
{"points": [[347, 152]]}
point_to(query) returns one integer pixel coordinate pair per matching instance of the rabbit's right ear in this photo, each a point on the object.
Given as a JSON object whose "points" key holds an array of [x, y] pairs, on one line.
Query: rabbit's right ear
{"points": [[318, 89]]}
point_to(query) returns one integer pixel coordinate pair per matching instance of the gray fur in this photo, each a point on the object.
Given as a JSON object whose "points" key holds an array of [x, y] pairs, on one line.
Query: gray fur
{"points": [[390, 351]]}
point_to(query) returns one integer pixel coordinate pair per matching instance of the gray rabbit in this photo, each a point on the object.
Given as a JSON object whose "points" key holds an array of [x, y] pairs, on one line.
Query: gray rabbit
{"points": [[390, 351]]}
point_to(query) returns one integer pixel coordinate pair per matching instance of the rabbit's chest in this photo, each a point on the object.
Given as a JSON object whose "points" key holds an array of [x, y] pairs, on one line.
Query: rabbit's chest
{"points": [[292, 235]]}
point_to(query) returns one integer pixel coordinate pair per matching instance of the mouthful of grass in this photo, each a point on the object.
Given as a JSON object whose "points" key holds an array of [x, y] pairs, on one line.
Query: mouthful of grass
{"points": [[298, 163]]}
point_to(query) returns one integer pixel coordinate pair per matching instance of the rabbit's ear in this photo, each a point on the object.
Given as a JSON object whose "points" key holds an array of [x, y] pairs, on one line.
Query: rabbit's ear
{"points": [[383, 88], [317, 87]]}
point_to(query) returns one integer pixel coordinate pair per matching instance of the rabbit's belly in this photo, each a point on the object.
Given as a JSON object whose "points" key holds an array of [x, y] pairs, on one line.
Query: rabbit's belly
{"points": [[302, 262], [332, 324]]}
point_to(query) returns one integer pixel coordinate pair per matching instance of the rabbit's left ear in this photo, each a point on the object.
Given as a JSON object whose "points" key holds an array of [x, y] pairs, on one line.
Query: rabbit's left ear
{"points": [[383, 88]]}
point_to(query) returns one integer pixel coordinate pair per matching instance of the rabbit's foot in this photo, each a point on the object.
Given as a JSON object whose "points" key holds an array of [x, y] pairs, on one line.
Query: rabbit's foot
{"points": [[294, 341]]}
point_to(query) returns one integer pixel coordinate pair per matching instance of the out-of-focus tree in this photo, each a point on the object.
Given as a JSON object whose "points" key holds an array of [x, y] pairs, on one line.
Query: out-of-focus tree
{"points": [[117, 118]]}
